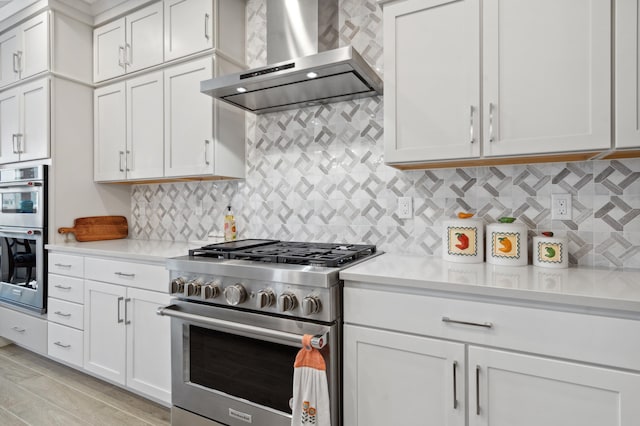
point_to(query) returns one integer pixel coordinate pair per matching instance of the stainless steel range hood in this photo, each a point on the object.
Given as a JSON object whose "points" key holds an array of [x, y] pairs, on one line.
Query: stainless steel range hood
{"points": [[298, 75]]}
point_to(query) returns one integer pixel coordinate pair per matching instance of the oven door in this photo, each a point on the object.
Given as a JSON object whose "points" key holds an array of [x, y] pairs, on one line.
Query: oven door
{"points": [[22, 267], [236, 367], [22, 204]]}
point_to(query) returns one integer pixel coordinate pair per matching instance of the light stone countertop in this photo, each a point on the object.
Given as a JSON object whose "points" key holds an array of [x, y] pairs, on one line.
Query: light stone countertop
{"points": [[580, 287], [127, 249]]}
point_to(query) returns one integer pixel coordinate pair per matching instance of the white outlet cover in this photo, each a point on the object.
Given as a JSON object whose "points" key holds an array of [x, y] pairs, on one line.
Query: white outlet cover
{"points": [[405, 207], [561, 208]]}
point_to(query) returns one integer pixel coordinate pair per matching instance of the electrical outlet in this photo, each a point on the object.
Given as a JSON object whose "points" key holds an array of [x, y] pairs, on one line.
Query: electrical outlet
{"points": [[405, 208], [561, 207]]}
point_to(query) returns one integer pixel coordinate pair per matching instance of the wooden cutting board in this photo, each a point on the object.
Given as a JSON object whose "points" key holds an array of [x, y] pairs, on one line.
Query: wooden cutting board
{"points": [[96, 228]]}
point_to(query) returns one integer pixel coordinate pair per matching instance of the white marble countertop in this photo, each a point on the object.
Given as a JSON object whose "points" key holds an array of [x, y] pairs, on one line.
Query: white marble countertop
{"points": [[135, 250], [581, 287]]}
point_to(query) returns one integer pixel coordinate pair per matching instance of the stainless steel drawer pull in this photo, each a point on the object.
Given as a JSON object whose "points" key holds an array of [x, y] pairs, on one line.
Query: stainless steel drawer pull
{"points": [[475, 324], [62, 287], [477, 390], [18, 329], [122, 274], [62, 265], [120, 299], [61, 345], [62, 314]]}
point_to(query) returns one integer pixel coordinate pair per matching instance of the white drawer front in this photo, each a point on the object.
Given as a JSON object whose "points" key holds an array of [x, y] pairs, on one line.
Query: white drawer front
{"points": [[140, 275], [24, 330], [66, 313], [590, 338], [66, 264], [66, 288], [65, 344]]}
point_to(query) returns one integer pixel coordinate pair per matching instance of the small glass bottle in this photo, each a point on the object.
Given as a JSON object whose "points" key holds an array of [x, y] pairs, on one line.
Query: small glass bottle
{"points": [[230, 233]]}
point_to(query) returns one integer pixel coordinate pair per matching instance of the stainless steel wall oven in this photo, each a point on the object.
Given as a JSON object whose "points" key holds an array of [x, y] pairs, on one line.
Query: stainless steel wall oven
{"points": [[23, 231]]}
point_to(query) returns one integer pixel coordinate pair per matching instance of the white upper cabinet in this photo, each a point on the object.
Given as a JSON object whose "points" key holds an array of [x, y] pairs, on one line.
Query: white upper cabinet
{"points": [[24, 122], [627, 91], [546, 76], [129, 44], [545, 79], [188, 27], [24, 50], [110, 132], [432, 85]]}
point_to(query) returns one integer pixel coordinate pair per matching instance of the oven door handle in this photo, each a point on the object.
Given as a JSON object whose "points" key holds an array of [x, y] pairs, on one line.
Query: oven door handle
{"points": [[20, 231], [293, 339], [27, 184]]}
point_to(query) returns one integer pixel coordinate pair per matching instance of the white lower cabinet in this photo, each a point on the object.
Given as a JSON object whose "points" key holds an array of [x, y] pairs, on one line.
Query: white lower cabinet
{"points": [[25, 330], [443, 361], [65, 343], [125, 341]]}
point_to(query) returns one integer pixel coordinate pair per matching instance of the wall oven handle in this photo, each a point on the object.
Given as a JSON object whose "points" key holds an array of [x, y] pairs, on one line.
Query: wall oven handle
{"points": [[293, 339], [20, 231], [29, 184]]}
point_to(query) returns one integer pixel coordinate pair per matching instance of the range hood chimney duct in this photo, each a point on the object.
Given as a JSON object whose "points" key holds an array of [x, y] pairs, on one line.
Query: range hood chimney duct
{"points": [[306, 66]]}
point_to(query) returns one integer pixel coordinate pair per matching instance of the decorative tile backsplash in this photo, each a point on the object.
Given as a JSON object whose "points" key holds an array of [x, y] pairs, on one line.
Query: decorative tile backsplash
{"points": [[318, 174]]}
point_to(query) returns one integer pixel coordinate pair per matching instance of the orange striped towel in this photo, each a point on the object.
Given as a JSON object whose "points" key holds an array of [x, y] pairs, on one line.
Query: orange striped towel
{"points": [[310, 388]]}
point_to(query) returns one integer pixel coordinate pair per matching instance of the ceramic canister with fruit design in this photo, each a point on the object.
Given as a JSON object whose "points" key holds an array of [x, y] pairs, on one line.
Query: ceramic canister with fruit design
{"points": [[507, 243], [550, 251], [463, 239]]}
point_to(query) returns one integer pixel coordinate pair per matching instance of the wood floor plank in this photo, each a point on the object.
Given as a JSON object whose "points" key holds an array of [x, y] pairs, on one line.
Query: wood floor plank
{"points": [[8, 419]]}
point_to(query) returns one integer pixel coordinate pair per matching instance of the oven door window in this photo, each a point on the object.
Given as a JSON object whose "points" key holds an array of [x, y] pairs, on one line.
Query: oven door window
{"points": [[18, 261], [20, 202], [251, 369]]}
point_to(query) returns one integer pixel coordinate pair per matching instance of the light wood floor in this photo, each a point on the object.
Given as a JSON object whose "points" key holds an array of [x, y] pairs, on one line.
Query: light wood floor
{"points": [[39, 392]]}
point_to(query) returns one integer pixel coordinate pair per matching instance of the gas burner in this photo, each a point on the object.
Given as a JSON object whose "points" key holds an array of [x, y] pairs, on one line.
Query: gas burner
{"points": [[292, 252]]}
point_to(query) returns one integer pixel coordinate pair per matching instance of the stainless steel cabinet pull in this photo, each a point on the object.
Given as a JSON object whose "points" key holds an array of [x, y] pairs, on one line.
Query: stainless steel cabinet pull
{"points": [[121, 155], [475, 324], [18, 329], [61, 345], [206, 152], [20, 139], [15, 63], [206, 26], [120, 299], [127, 50], [62, 314], [471, 125], [61, 287], [455, 385], [477, 390], [122, 274], [126, 161], [14, 138], [19, 54], [62, 265], [491, 139], [121, 56], [126, 315]]}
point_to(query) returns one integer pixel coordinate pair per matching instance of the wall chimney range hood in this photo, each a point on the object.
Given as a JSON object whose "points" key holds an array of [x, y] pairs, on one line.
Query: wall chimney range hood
{"points": [[306, 69]]}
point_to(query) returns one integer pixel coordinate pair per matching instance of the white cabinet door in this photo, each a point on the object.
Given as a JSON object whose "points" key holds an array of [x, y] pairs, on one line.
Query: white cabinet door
{"points": [[432, 85], [34, 140], [400, 379], [9, 125], [145, 134], [144, 43], [110, 132], [148, 344], [109, 50], [105, 332], [34, 57], [524, 390], [9, 66], [546, 76], [188, 120], [627, 92], [188, 27]]}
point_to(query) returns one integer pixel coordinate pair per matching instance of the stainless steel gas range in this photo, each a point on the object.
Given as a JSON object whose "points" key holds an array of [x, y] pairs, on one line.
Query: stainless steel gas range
{"points": [[242, 308]]}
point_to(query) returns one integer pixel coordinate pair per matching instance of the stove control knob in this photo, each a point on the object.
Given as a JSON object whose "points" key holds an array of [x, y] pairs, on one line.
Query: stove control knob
{"points": [[235, 294], [210, 290], [311, 305], [265, 298], [177, 285], [287, 302], [193, 288]]}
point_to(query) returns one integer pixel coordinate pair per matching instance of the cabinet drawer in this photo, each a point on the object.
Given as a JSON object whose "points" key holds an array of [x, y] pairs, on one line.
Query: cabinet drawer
{"points": [[66, 264], [65, 344], [65, 313], [140, 275], [577, 336], [66, 288], [24, 330]]}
